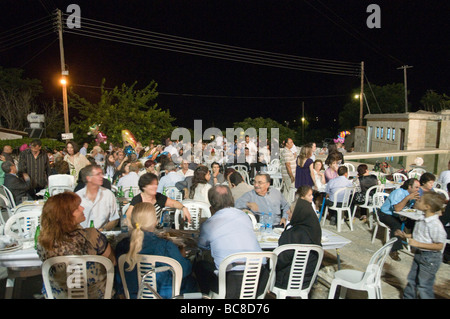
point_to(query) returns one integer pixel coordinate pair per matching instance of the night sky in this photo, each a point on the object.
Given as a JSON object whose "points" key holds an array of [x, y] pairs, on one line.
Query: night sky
{"points": [[221, 92]]}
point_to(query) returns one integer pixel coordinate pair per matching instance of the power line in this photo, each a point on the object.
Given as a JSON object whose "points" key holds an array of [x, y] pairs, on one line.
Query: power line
{"points": [[226, 96], [127, 35]]}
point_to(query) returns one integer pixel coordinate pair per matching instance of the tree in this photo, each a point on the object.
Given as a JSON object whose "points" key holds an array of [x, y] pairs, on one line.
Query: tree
{"points": [[124, 108], [435, 102], [389, 98], [17, 95]]}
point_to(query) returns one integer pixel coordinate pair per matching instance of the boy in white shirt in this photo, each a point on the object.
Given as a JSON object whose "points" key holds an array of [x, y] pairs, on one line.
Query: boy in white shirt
{"points": [[429, 238]]}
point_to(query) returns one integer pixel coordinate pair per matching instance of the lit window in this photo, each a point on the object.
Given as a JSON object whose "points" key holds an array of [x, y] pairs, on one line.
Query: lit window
{"points": [[382, 132], [388, 135], [393, 134], [378, 132]]}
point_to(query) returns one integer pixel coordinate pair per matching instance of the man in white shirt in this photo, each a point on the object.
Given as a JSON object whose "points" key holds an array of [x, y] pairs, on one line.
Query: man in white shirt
{"points": [[444, 178], [172, 150], [333, 186], [252, 150], [185, 171], [288, 162], [131, 179], [98, 202], [83, 150], [170, 179]]}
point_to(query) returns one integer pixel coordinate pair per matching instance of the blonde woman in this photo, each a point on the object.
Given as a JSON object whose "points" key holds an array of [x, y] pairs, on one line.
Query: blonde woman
{"points": [[144, 241], [304, 173]]}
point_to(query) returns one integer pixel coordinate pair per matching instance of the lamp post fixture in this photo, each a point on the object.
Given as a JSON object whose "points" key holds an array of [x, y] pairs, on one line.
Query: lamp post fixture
{"points": [[65, 104]]}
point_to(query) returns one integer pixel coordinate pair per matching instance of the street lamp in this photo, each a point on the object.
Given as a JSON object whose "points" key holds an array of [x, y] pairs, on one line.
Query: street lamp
{"points": [[63, 82], [358, 97]]}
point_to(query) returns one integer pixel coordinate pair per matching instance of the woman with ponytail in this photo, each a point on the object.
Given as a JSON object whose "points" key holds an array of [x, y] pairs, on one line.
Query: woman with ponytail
{"points": [[144, 241]]}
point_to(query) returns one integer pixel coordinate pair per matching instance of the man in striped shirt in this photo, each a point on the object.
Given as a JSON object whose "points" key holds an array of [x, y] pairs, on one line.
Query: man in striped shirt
{"points": [[35, 163]]}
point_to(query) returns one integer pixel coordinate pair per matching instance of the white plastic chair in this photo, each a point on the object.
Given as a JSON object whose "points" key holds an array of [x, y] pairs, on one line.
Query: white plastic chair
{"points": [[8, 208], [22, 225], [441, 191], [10, 197], [298, 268], [350, 167], [60, 183], [146, 273], [252, 262], [378, 201], [174, 193], [77, 277], [346, 206], [197, 209], [277, 183], [399, 177], [416, 173], [368, 280], [368, 201]]}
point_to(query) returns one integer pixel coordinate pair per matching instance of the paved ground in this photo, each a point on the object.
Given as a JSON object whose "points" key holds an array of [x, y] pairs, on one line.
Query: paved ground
{"points": [[353, 256]]}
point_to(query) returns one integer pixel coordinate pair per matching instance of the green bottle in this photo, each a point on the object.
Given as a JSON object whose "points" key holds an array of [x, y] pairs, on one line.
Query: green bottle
{"points": [[36, 236], [47, 194], [92, 224], [130, 193]]}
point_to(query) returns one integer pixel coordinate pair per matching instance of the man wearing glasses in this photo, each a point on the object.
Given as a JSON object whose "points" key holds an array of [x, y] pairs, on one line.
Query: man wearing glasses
{"points": [[264, 198]]}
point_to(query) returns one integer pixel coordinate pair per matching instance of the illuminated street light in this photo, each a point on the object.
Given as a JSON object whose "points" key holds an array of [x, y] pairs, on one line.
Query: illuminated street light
{"points": [[63, 82], [358, 97]]}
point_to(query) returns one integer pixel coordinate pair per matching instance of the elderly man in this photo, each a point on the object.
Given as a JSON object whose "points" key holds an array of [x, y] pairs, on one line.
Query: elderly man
{"points": [[19, 187], [185, 171], [170, 179], [35, 163], [264, 198], [99, 203], [288, 162], [227, 231]]}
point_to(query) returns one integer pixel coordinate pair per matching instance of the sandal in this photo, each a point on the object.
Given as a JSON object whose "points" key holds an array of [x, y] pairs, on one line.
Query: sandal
{"points": [[363, 218]]}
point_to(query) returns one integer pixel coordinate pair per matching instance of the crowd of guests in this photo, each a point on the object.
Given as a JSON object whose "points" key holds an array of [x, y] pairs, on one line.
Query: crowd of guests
{"points": [[72, 222]]}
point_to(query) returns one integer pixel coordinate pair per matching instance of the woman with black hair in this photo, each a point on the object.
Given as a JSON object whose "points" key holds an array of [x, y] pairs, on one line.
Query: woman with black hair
{"points": [[304, 228]]}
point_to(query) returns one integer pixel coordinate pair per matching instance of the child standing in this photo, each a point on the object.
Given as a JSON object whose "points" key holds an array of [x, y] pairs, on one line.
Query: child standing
{"points": [[429, 238]]}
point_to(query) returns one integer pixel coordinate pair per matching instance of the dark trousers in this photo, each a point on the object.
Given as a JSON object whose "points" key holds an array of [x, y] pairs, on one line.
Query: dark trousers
{"points": [[394, 223]]}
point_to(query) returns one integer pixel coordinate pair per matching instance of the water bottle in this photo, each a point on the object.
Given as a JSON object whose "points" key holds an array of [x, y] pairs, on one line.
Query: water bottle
{"points": [[123, 224], [166, 220], [269, 223], [262, 221]]}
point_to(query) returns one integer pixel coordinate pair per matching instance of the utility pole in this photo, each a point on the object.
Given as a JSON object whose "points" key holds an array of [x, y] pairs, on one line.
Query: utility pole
{"points": [[303, 122], [361, 102], [64, 72], [406, 87]]}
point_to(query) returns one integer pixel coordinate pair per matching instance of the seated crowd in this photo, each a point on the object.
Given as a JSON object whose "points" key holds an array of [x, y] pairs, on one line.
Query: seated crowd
{"points": [[72, 222]]}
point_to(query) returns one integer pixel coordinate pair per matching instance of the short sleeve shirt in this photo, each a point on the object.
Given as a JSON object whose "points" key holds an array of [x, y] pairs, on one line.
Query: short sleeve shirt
{"points": [[394, 198], [159, 205]]}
